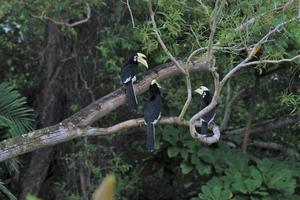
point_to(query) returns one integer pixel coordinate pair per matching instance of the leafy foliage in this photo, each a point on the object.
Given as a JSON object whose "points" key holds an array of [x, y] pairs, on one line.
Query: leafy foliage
{"points": [[15, 116], [6, 192]]}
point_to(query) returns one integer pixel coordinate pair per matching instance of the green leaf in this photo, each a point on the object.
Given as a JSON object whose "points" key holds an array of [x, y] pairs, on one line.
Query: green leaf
{"points": [[173, 152], [186, 167]]}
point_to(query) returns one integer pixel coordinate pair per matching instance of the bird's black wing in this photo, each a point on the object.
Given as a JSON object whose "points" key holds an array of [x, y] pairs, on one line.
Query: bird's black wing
{"points": [[127, 73], [152, 111]]}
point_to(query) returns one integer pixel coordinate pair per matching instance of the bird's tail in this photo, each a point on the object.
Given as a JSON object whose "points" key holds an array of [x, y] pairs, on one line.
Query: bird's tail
{"points": [[150, 137], [204, 128], [132, 100]]}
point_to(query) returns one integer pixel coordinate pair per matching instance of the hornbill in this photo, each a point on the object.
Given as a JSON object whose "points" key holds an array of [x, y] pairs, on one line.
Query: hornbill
{"points": [[152, 113], [208, 117], [128, 71]]}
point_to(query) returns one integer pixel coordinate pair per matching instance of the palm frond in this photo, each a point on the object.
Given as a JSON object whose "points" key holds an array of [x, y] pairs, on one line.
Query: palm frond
{"points": [[6, 192], [15, 116]]}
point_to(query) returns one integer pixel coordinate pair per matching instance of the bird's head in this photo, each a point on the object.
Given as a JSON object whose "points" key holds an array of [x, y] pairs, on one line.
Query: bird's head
{"points": [[202, 90], [139, 58]]}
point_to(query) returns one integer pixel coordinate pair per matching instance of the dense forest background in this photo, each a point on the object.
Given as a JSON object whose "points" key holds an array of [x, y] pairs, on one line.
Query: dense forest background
{"points": [[57, 57]]}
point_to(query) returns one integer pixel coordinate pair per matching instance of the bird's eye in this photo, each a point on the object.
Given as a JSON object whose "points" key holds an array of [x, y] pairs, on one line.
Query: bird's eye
{"points": [[135, 58]]}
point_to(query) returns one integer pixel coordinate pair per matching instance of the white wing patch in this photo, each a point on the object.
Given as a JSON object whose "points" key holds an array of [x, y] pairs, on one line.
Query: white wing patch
{"points": [[127, 79], [156, 120], [133, 79]]}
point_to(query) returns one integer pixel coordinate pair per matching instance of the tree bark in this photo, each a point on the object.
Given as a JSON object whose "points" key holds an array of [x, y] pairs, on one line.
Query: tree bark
{"points": [[48, 106]]}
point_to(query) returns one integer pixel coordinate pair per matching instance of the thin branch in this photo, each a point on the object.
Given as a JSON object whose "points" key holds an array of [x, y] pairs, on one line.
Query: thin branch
{"points": [[189, 96], [276, 147], [256, 46], [213, 27], [204, 7], [184, 71], [43, 16], [212, 105], [228, 109], [131, 15], [267, 125], [254, 19], [271, 61], [162, 44], [250, 114]]}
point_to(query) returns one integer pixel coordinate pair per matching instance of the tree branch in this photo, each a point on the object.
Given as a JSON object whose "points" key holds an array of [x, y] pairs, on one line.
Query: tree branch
{"points": [[275, 10], [64, 132], [267, 125], [257, 45], [228, 109], [131, 15], [212, 105], [271, 61], [184, 71], [88, 16], [76, 125], [161, 42]]}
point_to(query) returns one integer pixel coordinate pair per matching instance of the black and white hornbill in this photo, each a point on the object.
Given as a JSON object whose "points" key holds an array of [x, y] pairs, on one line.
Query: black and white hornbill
{"points": [[128, 76], [152, 111], [208, 117]]}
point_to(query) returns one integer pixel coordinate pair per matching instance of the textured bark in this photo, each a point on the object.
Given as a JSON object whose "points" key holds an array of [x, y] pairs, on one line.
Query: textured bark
{"points": [[48, 103]]}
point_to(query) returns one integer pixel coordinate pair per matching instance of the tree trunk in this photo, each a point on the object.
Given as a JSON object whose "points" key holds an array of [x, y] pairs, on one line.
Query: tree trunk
{"points": [[48, 104]]}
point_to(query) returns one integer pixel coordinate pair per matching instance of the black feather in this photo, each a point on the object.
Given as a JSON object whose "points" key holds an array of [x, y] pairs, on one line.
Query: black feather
{"points": [[131, 98], [150, 137]]}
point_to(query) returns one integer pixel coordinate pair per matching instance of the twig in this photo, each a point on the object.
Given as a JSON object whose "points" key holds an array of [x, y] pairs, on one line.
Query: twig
{"points": [[131, 15], [228, 109], [43, 16], [213, 27], [267, 125], [253, 19], [257, 45], [162, 44], [271, 61], [189, 96], [275, 146], [184, 71], [212, 105], [203, 6], [250, 115]]}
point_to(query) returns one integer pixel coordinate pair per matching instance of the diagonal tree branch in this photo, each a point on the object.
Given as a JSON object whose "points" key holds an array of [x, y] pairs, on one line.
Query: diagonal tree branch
{"points": [[228, 108], [77, 125], [184, 70], [43, 16], [275, 10], [161, 42], [267, 125], [64, 132], [219, 85]]}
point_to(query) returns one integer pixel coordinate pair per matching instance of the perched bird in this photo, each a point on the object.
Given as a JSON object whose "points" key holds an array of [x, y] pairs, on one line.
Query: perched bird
{"points": [[152, 111], [208, 117], [128, 76]]}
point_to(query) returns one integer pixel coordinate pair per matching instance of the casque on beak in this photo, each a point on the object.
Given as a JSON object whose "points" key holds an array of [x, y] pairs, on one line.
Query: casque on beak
{"points": [[142, 59], [158, 85], [201, 90]]}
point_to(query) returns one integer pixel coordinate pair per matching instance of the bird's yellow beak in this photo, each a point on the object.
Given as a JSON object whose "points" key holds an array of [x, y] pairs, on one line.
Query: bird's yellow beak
{"points": [[142, 59], [158, 85]]}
